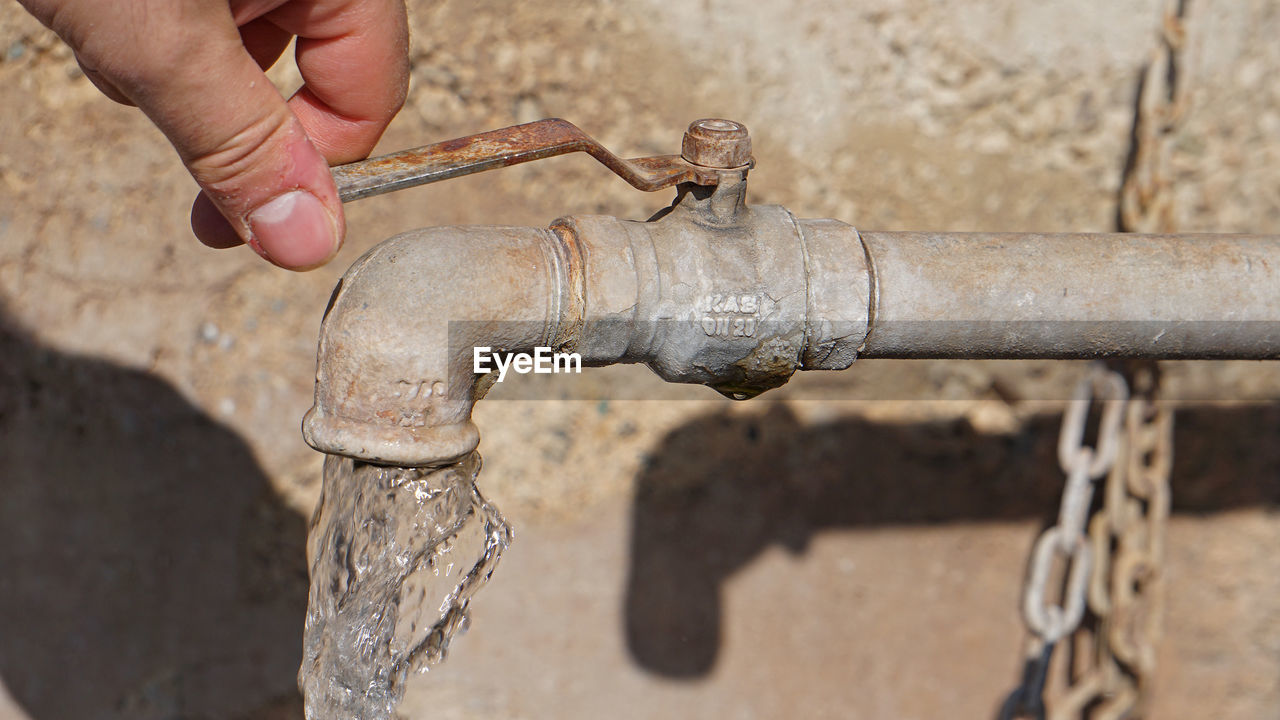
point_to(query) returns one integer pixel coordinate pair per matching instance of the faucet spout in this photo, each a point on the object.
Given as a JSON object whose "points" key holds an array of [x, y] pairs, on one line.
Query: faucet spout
{"points": [[394, 380]]}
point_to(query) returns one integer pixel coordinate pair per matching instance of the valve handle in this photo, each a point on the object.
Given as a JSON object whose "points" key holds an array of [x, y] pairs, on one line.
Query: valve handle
{"points": [[713, 140]]}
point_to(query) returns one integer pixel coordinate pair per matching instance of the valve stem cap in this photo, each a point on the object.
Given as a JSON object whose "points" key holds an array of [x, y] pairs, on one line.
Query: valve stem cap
{"points": [[716, 143]]}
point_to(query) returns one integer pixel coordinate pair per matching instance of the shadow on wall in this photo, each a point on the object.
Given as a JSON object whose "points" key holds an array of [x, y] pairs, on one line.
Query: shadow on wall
{"points": [[147, 570], [721, 489]]}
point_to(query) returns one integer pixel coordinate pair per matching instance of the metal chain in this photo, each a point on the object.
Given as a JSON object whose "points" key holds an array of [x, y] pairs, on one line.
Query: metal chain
{"points": [[1114, 651], [1126, 590], [1113, 655], [1046, 618], [1053, 605], [1146, 205]]}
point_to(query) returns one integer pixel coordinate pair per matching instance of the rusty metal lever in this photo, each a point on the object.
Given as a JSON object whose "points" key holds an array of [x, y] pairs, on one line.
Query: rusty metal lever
{"points": [[544, 139]]}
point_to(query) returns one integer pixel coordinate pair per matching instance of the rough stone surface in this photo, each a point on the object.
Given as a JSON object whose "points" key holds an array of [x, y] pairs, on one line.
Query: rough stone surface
{"points": [[794, 556]]}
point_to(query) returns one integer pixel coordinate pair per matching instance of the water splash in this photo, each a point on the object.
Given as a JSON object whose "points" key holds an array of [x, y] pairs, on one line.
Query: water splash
{"points": [[396, 555]]}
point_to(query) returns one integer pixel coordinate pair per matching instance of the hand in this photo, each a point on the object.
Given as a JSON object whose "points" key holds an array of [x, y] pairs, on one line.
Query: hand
{"points": [[195, 67]]}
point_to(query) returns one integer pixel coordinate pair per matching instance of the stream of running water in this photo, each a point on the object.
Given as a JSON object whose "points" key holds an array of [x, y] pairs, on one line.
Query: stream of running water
{"points": [[396, 554]]}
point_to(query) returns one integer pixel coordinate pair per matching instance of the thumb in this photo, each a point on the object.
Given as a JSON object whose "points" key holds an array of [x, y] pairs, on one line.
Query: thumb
{"points": [[263, 181]]}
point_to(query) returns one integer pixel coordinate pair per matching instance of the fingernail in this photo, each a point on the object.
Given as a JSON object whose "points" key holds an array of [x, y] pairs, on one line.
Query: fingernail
{"points": [[293, 231]]}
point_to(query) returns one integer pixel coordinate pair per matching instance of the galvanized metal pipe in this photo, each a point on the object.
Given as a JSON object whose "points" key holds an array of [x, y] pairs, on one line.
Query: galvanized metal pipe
{"points": [[991, 295], [738, 298]]}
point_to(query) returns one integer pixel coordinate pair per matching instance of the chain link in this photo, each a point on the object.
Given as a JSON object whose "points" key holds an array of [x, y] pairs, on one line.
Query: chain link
{"points": [[1126, 590], [1054, 605], [1146, 205], [1113, 561], [1048, 618]]}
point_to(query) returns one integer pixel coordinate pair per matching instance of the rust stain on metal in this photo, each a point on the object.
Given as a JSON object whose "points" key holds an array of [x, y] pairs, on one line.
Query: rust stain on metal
{"points": [[716, 143], [521, 144]]}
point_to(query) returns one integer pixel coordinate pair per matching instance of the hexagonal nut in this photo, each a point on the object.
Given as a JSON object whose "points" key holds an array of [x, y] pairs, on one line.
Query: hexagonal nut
{"points": [[716, 143]]}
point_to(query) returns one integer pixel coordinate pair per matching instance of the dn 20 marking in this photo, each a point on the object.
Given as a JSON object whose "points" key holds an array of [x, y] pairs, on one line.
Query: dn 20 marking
{"points": [[729, 314], [727, 326]]}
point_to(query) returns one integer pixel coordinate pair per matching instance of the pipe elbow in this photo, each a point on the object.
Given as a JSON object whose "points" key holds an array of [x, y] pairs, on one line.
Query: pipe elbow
{"points": [[395, 380]]}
